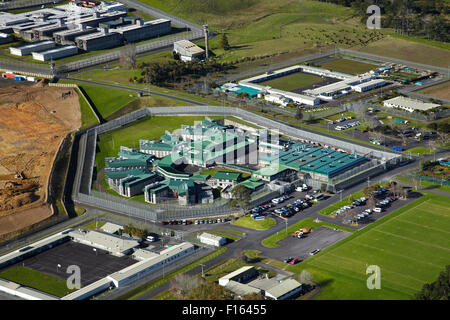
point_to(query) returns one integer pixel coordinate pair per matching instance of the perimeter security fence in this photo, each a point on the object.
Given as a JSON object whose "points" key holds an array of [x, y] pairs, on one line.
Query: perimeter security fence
{"points": [[82, 194]]}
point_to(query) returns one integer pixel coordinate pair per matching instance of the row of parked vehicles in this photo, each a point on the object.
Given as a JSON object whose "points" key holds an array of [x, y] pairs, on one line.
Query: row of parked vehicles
{"points": [[347, 126], [291, 208], [358, 202], [188, 222]]}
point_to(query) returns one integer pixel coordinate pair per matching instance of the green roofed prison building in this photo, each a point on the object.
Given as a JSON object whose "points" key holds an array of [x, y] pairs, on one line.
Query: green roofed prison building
{"points": [[224, 179]]}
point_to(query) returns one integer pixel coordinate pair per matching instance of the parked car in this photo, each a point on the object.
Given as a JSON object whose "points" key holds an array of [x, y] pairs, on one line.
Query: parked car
{"points": [[377, 209], [287, 260], [294, 261], [316, 251]]}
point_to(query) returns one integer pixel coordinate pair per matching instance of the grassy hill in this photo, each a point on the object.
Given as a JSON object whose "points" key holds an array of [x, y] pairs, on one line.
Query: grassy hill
{"points": [[258, 28]]}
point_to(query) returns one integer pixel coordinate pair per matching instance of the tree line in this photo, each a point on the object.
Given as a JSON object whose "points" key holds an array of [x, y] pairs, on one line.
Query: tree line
{"points": [[426, 18]]}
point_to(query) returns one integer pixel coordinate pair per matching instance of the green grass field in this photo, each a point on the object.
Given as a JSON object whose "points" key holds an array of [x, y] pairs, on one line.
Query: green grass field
{"points": [[37, 280], [88, 117], [348, 66], [419, 151], [249, 222], [411, 246], [107, 100], [292, 81], [425, 184], [272, 241]]}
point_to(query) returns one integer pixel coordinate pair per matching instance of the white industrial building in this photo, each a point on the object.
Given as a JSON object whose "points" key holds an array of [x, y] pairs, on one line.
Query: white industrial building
{"points": [[409, 104], [372, 84], [212, 239], [55, 53], [115, 245], [246, 281], [284, 290], [147, 262], [188, 51], [32, 47]]}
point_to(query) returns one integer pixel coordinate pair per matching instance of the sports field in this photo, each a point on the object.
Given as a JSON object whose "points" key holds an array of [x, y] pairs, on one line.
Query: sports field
{"points": [[411, 246], [292, 81], [37, 280], [348, 66]]}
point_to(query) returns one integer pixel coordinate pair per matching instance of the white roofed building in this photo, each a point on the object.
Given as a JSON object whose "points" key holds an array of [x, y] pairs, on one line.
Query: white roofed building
{"points": [[409, 104], [188, 51]]}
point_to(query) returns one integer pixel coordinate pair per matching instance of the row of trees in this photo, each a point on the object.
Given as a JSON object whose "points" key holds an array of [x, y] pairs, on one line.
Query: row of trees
{"points": [[134, 231], [412, 17], [161, 73]]}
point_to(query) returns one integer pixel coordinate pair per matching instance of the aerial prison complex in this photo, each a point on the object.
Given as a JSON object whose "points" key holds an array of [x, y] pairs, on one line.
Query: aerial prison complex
{"points": [[171, 168], [340, 84], [144, 261], [65, 30]]}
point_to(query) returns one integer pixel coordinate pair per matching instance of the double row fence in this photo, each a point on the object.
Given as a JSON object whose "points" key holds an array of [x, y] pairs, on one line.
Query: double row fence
{"points": [[84, 195], [441, 182]]}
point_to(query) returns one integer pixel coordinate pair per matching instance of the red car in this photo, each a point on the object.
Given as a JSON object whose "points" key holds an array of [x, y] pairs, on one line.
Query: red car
{"points": [[294, 261]]}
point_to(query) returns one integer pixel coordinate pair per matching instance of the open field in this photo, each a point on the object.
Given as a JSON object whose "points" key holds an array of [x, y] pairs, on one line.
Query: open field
{"points": [[348, 66], [425, 184], [292, 81], [34, 122], [249, 222], [411, 51], [264, 27], [272, 241], [411, 246], [37, 280], [439, 91]]}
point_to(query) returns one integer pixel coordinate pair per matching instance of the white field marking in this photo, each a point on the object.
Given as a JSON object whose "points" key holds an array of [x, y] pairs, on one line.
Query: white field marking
{"points": [[413, 240]]}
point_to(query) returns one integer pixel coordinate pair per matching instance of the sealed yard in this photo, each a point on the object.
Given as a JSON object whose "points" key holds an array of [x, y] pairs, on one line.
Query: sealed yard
{"points": [[320, 238], [94, 265]]}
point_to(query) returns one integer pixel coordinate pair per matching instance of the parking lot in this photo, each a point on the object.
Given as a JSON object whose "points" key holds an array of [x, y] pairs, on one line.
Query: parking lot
{"points": [[94, 265], [319, 238]]}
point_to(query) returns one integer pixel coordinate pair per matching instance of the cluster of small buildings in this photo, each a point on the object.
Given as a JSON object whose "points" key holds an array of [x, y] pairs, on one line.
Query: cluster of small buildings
{"points": [[157, 169], [64, 30], [409, 104], [245, 281], [147, 261], [346, 84]]}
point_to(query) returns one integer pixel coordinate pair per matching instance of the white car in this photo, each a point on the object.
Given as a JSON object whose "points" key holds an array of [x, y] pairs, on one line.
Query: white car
{"points": [[377, 209]]}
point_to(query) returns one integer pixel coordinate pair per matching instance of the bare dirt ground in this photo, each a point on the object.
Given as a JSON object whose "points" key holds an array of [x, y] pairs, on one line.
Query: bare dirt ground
{"points": [[33, 122], [439, 91]]}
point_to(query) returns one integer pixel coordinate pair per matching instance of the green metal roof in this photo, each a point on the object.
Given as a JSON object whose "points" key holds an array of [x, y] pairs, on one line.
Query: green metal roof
{"points": [[140, 179], [125, 173], [251, 184], [126, 163], [227, 175]]}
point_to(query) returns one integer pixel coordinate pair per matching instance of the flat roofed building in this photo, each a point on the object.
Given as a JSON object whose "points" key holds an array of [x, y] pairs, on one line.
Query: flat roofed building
{"points": [[144, 30], [212, 239], [142, 268], [409, 104], [241, 289], [284, 290], [33, 47], [372, 84], [99, 40], [112, 228], [68, 36], [240, 275], [188, 51], [98, 17], [116, 245], [55, 53]]}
